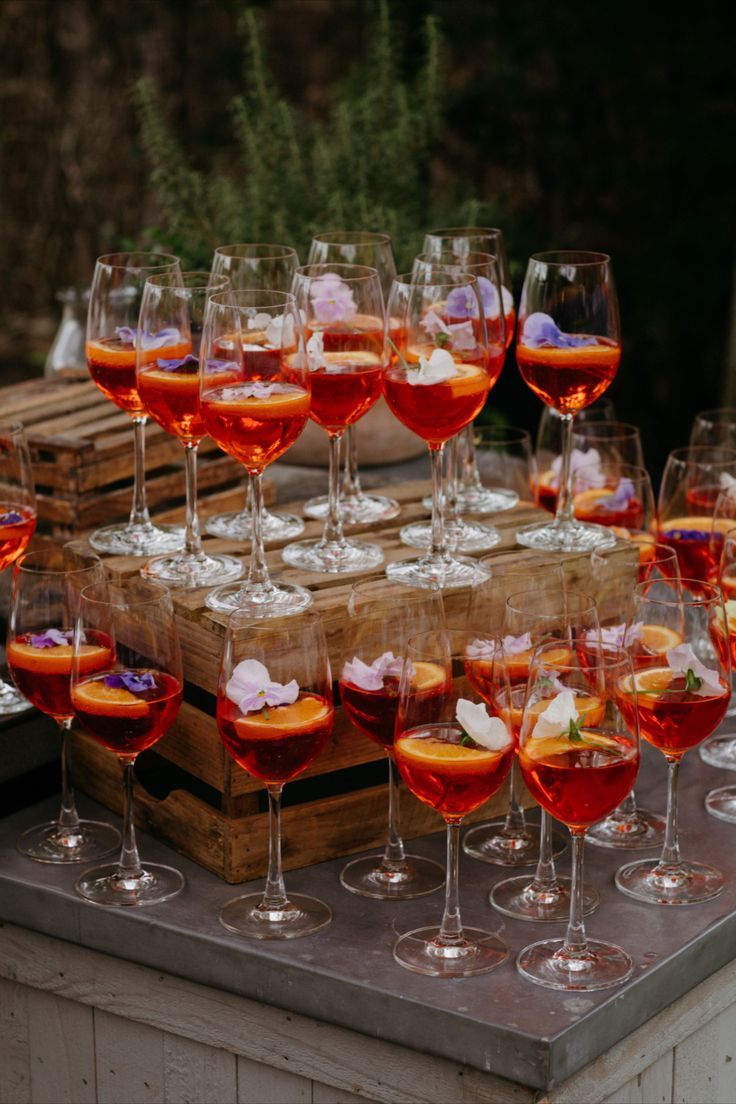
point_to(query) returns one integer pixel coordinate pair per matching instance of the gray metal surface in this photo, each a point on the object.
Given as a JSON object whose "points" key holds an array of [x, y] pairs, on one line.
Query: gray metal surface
{"points": [[346, 974]]}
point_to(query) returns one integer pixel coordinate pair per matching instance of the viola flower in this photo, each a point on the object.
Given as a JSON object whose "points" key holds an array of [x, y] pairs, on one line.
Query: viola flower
{"points": [[550, 680], [332, 299], [515, 645], [620, 498], [130, 680], [462, 303], [439, 367], [11, 517], [585, 466], [250, 688], [682, 660], [129, 336], [370, 676], [541, 331], [556, 718], [621, 635], [456, 335], [51, 638], [189, 362], [489, 732], [213, 366]]}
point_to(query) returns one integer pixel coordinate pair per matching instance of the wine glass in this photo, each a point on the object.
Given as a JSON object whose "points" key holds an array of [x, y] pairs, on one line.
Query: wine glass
{"points": [[720, 750], [510, 841], [453, 756], [692, 480], [503, 458], [381, 616], [579, 760], [361, 247], [568, 351], [254, 392], [677, 695], [533, 618], [274, 716], [127, 707], [548, 447], [115, 343], [615, 496], [613, 442], [46, 589], [342, 305], [17, 523], [252, 266], [169, 389], [441, 378], [714, 427]]}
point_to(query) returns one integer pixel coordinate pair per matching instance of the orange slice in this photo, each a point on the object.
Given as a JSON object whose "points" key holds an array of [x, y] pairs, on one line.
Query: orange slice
{"points": [[658, 639], [564, 358], [284, 720], [550, 746], [649, 682], [181, 381], [431, 752], [56, 660], [353, 358], [586, 501], [107, 701], [427, 675], [281, 404], [518, 665], [699, 523]]}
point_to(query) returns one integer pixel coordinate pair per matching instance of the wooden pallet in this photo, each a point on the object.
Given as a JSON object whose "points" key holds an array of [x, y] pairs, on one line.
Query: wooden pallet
{"points": [[195, 797]]}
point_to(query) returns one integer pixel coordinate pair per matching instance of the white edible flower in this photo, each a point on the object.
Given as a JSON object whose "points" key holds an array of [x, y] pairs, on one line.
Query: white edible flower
{"points": [[592, 475], [439, 367], [683, 659], [555, 720], [280, 331], [727, 483], [250, 688], [489, 732], [259, 321], [370, 676], [315, 351]]}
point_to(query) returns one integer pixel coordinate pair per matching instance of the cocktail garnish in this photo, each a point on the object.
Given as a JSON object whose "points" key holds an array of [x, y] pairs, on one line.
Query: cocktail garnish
{"points": [[11, 517], [619, 635], [332, 299], [257, 390], [370, 676], [51, 638], [481, 649], [550, 681], [439, 367], [489, 732], [620, 498], [212, 365], [457, 335], [557, 717], [280, 331], [585, 466], [315, 351], [516, 645], [251, 689], [171, 365], [129, 336], [682, 660], [541, 330], [129, 680]]}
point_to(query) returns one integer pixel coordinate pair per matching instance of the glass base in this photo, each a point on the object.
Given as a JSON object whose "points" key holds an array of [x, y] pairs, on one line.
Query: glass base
{"points": [[415, 877], [103, 886], [477, 953], [516, 897], [237, 526], [465, 536], [491, 843], [601, 966], [263, 601], [446, 573], [333, 557], [657, 884], [138, 540], [481, 500], [721, 803], [11, 700], [720, 751], [49, 843], [192, 571], [633, 833], [299, 916], [575, 536], [356, 509]]}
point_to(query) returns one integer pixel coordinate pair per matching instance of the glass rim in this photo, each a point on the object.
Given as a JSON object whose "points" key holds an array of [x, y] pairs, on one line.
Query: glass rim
{"points": [[242, 617], [468, 633], [628, 428], [358, 272], [599, 554], [715, 593], [464, 279], [359, 237], [613, 654], [514, 433], [464, 231], [691, 454], [114, 260], [170, 280], [157, 592], [361, 586], [279, 250], [427, 257], [37, 553], [575, 258], [705, 414], [231, 298], [575, 594]]}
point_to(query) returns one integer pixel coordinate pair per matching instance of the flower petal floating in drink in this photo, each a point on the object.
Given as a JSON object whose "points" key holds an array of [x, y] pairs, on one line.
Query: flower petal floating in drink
{"points": [[250, 687], [542, 331], [557, 717], [682, 660], [51, 638], [489, 732], [133, 681], [332, 299], [436, 368], [370, 676]]}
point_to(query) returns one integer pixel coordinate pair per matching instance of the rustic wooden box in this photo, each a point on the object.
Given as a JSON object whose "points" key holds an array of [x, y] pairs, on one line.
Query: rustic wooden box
{"points": [[192, 794]]}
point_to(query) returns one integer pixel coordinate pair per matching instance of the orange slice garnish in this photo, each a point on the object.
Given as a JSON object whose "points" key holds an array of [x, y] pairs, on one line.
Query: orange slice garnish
{"points": [[431, 752], [283, 720], [427, 675], [107, 701], [56, 660], [658, 639]]}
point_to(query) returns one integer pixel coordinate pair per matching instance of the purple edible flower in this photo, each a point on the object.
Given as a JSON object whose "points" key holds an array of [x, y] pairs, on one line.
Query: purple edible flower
{"points": [[126, 334], [250, 688], [370, 676], [515, 645], [130, 680], [462, 303], [332, 298], [620, 498], [51, 638], [187, 361], [11, 517], [540, 330], [129, 335], [258, 390], [212, 365]]}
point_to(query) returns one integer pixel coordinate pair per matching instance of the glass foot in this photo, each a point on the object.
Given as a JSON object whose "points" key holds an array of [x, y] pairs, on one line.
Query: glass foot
{"points": [[355, 508], [415, 877], [657, 883], [465, 536], [721, 803], [299, 916], [11, 700], [237, 526], [641, 830], [517, 897], [138, 540], [485, 500], [333, 557], [264, 601], [192, 571], [720, 751], [103, 886], [447, 572], [49, 843], [492, 843], [600, 966], [476, 953], [566, 537]]}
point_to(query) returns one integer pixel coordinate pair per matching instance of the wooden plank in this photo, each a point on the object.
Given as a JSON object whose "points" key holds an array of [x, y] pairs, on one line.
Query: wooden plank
{"points": [[62, 1046], [15, 1055], [129, 1058], [259, 1084], [327, 1094], [198, 1074], [705, 1063], [652, 1086]]}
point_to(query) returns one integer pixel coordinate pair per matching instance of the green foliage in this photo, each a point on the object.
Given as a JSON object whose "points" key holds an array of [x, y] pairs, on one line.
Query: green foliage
{"points": [[367, 166]]}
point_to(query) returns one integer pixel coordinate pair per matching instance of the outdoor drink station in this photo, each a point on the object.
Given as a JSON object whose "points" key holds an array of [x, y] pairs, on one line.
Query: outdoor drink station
{"points": [[289, 699]]}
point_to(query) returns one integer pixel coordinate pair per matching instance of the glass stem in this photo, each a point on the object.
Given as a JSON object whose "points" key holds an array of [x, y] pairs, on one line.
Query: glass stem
{"points": [[139, 514], [451, 512], [565, 512], [333, 525], [258, 570], [274, 896], [515, 821], [545, 876], [438, 547], [671, 849], [248, 498], [451, 928], [192, 538], [394, 852], [575, 942], [351, 477], [130, 864], [471, 476], [68, 815]]}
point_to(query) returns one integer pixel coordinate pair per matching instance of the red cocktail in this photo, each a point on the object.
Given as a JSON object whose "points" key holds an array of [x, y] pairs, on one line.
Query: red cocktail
{"points": [[569, 379], [127, 721], [276, 744], [374, 711], [42, 673], [17, 525]]}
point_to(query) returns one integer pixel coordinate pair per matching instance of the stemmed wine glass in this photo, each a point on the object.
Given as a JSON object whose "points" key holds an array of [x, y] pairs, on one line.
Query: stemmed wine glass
{"points": [[444, 369], [381, 616], [714, 427], [510, 841], [677, 697], [274, 716], [548, 447], [453, 756], [568, 351], [115, 343], [361, 247], [255, 400], [579, 760], [720, 750], [347, 353], [615, 496], [46, 589], [169, 389], [127, 707], [531, 619], [612, 442], [503, 457], [253, 266], [17, 523]]}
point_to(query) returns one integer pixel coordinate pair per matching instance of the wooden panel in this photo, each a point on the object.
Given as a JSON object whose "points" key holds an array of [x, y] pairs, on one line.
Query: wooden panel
{"points": [[130, 1059], [62, 1046], [259, 1084], [15, 1055], [652, 1086], [705, 1063], [198, 1074], [326, 1094]]}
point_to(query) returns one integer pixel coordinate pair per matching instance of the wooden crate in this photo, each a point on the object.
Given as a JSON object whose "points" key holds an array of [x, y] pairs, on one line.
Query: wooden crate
{"points": [[82, 454], [195, 797]]}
